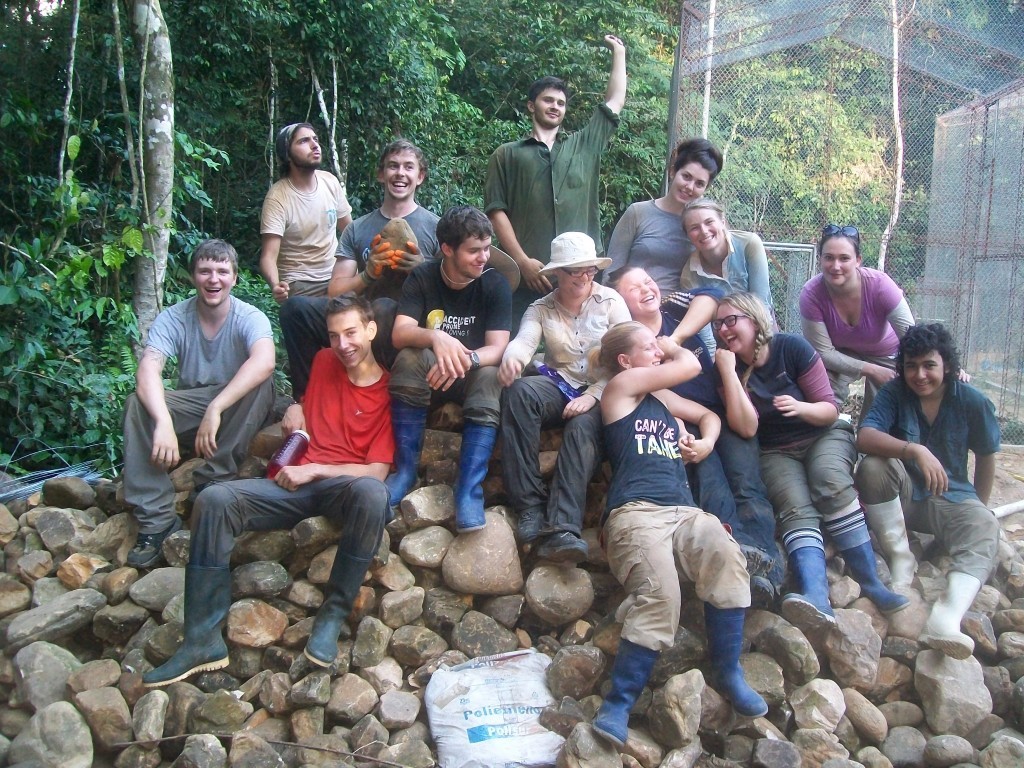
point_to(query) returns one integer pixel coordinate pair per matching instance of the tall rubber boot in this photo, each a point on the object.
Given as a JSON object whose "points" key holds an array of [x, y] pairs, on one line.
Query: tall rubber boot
{"points": [[347, 575], [409, 424], [861, 562], [887, 523], [207, 601], [942, 630], [477, 446], [725, 640], [809, 609], [630, 673]]}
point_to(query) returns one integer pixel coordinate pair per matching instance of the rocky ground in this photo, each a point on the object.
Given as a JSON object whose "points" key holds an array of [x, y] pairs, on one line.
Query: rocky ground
{"points": [[78, 628]]}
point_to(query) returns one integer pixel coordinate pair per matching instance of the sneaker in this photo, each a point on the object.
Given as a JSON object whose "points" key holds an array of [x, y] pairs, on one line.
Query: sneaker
{"points": [[147, 546], [563, 547]]}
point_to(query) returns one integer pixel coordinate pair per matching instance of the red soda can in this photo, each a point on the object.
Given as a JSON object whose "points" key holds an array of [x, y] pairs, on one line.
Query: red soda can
{"points": [[291, 452]]}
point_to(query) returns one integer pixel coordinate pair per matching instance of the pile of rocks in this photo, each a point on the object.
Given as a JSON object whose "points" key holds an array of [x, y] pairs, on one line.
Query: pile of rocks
{"points": [[79, 628]]}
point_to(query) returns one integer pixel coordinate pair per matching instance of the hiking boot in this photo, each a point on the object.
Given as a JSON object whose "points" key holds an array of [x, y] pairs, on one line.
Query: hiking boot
{"points": [[146, 551]]}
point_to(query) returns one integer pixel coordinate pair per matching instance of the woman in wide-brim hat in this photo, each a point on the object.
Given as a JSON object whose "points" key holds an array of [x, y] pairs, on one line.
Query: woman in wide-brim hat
{"points": [[560, 390]]}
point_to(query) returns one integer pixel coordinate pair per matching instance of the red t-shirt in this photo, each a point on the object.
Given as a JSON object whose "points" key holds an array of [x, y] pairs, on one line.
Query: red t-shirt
{"points": [[346, 424]]}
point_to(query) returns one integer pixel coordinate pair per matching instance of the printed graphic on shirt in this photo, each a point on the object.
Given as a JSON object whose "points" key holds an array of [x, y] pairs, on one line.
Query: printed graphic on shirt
{"points": [[656, 438], [456, 326]]}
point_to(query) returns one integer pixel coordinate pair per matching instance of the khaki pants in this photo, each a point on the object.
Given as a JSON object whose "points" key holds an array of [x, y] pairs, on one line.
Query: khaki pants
{"points": [[649, 546]]}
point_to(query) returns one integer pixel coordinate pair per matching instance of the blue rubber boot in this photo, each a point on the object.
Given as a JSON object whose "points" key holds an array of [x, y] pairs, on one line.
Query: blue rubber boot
{"points": [[725, 640], [809, 609], [861, 562], [409, 424], [630, 673], [347, 575], [207, 601], [477, 446]]}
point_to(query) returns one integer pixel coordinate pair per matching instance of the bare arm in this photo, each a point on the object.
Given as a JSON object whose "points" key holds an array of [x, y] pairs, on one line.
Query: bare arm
{"points": [[628, 387], [984, 476], [294, 477], [149, 388], [693, 450], [701, 312], [528, 267], [875, 442], [344, 279], [739, 411], [253, 372], [269, 251], [615, 93]]}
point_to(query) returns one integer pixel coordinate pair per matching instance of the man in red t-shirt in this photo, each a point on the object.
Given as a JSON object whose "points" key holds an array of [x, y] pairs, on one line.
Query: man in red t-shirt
{"points": [[351, 446]]}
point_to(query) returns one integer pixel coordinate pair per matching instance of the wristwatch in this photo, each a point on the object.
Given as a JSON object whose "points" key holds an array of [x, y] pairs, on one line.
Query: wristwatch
{"points": [[474, 360]]}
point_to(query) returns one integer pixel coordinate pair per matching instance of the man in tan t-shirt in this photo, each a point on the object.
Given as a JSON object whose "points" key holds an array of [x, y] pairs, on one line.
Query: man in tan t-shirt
{"points": [[304, 214]]}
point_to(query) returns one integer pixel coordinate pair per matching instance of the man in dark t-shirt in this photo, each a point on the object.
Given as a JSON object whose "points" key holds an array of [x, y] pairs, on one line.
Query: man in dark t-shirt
{"points": [[451, 330]]}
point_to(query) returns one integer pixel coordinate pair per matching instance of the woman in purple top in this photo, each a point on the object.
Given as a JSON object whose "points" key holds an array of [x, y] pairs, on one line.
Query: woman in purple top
{"points": [[854, 316], [807, 455]]}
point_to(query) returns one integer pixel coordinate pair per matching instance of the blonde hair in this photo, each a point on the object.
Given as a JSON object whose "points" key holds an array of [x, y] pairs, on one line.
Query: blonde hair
{"points": [[750, 304], [616, 341], [704, 204]]}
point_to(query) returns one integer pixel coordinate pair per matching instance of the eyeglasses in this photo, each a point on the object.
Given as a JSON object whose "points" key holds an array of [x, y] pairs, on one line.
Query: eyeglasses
{"points": [[588, 271], [728, 321], [831, 230]]}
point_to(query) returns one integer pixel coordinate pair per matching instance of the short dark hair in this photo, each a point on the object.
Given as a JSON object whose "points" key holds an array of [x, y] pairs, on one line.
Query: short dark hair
{"points": [[403, 145], [462, 222], [284, 143], [921, 339], [214, 250], [700, 151], [349, 303], [544, 83]]}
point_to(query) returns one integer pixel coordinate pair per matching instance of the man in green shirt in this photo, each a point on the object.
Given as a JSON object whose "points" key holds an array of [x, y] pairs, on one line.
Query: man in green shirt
{"points": [[547, 183]]}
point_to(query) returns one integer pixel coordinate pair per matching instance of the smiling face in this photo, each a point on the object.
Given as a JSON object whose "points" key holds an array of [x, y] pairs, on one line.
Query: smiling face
{"points": [[926, 375], [350, 337], [401, 176], [838, 262], [741, 336], [645, 351], [213, 281], [689, 183], [304, 151], [548, 109], [641, 294], [706, 230], [468, 261]]}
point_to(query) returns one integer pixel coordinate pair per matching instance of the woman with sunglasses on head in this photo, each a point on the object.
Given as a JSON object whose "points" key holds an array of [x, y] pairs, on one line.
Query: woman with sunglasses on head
{"points": [[653, 531], [723, 258], [854, 316], [569, 322], [648, 234], [776, 387]]}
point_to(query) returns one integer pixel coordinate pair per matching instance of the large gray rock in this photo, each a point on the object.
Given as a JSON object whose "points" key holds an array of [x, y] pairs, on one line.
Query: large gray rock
{"points": [[904, 746], [154, 590], [62, 617], [819, 704], [41, 672], [952, 692], [352, 698], [415, 646], [55, 737], [202, 750], [398, 709], [69, 491], [559, 595], [426, 547], [792, 650], [148, 717], [775, 753], [485, 562], [400, 608], [674, 714], [1003, 752], [853, 649], [112, 539], [106, 712], [585, 749], [259, 579], [248, 750], [371, 645], [575, 671], [480, 635], [947, 750], [865, 716]]}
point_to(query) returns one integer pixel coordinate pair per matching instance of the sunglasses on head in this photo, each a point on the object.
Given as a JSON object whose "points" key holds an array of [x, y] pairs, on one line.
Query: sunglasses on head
{"points": [[728, 321], [831, 230]]}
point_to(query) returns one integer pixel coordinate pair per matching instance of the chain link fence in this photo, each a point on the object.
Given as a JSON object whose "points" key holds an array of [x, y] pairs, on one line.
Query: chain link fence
{"points": [[799, 94]]}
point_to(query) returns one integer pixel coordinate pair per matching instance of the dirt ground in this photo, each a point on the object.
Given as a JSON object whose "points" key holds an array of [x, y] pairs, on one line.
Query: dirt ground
{"points": [[1009, 485]]}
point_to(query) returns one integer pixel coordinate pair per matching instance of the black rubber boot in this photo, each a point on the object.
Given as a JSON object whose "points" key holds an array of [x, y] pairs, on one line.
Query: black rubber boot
{"points": [[207, 600], [347, 576]]}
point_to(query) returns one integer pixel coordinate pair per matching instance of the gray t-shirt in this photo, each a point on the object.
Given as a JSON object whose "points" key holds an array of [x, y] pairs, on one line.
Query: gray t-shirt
{"points": [[202, 362], [649, 237], [356, 239]]}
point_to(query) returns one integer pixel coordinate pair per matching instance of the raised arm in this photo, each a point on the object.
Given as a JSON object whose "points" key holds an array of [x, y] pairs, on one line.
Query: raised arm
{"points": [[615, 93]]}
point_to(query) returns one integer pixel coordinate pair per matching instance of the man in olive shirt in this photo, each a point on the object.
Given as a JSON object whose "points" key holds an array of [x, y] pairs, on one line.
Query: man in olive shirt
{"points": [[547, 183]]}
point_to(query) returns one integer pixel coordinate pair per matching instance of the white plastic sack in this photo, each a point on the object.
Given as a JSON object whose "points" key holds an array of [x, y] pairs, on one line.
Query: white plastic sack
{"points": [[484, 713]]}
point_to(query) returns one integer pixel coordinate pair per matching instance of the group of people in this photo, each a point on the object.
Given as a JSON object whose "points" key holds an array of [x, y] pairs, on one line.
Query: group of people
{"points": [[723, 435]]}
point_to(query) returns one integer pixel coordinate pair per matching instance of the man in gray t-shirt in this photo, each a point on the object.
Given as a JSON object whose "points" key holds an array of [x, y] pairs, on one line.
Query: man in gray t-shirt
{"points": [[224, 350], [362, 266]]}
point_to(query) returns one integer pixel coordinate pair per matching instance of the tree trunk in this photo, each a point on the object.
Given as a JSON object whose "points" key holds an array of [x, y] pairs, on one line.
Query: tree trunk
{"points": [[156, 121]]}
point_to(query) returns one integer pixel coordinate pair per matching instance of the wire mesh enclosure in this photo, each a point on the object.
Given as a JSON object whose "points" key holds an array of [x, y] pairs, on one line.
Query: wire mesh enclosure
{"points": [[905, 119]]}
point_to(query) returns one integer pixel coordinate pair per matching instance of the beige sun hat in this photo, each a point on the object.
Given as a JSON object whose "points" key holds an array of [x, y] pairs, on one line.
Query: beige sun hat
{"points": [[574, 250], [506, 265]]}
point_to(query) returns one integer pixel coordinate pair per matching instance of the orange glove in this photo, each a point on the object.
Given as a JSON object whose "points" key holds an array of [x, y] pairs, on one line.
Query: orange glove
{"points": [[380, 257], [406, 260]]}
